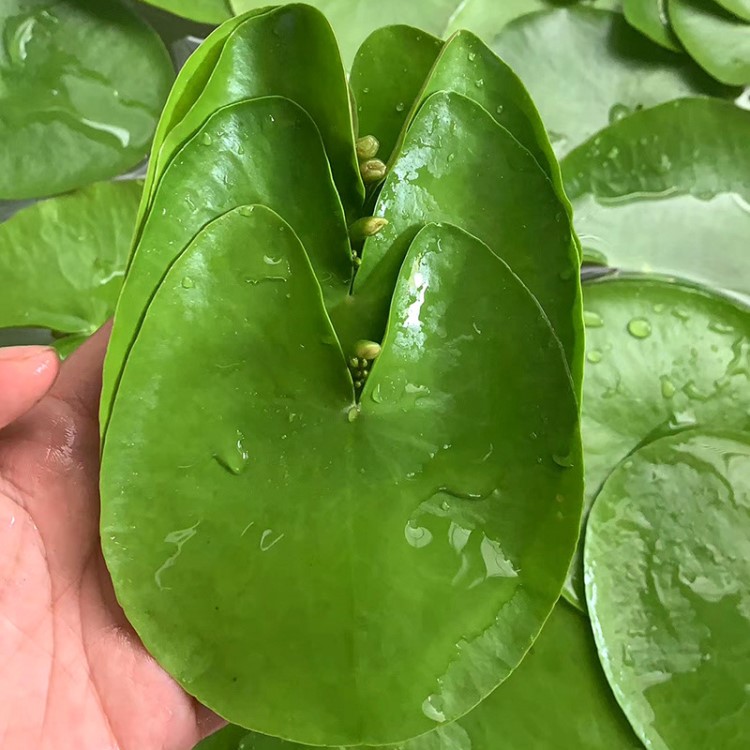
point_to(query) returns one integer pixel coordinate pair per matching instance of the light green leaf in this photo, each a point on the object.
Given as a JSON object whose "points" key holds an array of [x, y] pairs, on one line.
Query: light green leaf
{"points": [[661, 357], [81, 87], [587, 68], [717, 40], [62, 260], [667, 584], [283, 490], [655, 191], [740, 8], [203, 11], [650, 18]]}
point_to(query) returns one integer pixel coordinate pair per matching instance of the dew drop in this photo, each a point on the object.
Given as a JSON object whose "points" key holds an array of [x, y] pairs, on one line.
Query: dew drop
{"points": [[618, 112], [667, 387], [235, 459], [563, 461], [472, 56], [207, 139], [187, 283], [432, 708], [499, 109], [719, 327], [480, 83], [639, 328], [376, 394], [594, 356], [592, 319], [417, 536], [400, 107]]}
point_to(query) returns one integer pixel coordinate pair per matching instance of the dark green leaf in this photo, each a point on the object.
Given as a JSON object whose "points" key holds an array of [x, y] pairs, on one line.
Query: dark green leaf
{"points": [[282, 557], [718, 40], [667, 582], [650, 18], [660, 357], [81, 87], [587, 68], [656, 191], [62, 260]]}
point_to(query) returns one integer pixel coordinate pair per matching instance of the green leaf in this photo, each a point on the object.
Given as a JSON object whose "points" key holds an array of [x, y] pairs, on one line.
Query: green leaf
{"points": [[238, 146], [229, 738], [654, 191], [740, 8], [661, 357], [203, 11], [269, 558], [81, 87], [650, 18], [245, 65], [458, 165], [717, 40], [667, 581], [62, 260], [387, 77], [587, 68]]}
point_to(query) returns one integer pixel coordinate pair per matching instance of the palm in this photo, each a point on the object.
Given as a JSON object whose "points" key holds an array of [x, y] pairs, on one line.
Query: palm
{"points": [[74, 674]]}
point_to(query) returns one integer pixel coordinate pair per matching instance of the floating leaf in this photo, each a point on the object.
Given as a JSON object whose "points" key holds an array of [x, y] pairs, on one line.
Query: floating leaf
{"points": [[650, 18], [653, 192], [62, 260], [81, 87], [661, 357], [667, 582], [586, 68], [718, 40], [289, 490]]}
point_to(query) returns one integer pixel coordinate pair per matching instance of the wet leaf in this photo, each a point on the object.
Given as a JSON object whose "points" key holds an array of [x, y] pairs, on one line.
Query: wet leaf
{"points": [[81, 87], [278, 544], [654, 191], [650, 18], [667, 582], [586, 68], [718, 40], [62, 260], [661, 357]]}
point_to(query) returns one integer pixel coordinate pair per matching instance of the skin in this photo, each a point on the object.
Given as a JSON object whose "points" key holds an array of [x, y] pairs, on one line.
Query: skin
{"points": [[72, 670]]}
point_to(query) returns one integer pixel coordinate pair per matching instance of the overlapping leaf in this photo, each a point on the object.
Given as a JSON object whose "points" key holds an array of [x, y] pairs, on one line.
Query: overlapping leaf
{"points": [[81, 87]]}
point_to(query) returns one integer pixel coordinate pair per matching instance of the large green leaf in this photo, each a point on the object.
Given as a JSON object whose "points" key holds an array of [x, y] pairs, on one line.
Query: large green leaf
{"points": [[455, 166], [320, 569], [81, 87], [240, 145], [658, 190], [203, 11], [661, 356], [668, 588], [62, 260], [718, 40], [586, 68], [650, 18], [740, 8], [558, 697]]}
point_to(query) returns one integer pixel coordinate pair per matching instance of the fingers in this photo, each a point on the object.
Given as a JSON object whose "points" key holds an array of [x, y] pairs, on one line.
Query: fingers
{"points": [[26, 375], [80, 381]]}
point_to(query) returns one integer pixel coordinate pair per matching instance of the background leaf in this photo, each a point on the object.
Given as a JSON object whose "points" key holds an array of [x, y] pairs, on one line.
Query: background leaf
{"points": [[203, 11], [81, 87], [667, 581]]}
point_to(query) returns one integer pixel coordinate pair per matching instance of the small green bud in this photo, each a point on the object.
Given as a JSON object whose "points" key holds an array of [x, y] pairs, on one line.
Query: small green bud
{"points": [[366, 351], [358, 384], [354, 363], [367, 147], [366, 227], [373, 170]]}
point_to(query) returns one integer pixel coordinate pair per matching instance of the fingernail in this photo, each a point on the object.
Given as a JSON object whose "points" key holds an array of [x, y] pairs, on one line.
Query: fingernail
{"points": [[26, 353]]}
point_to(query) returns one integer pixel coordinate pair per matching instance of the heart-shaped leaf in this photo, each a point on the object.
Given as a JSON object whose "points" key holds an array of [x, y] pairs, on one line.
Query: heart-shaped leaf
{"points": [[718, 40], [586, 68], [203, 11], [81, 87], [667, 581], [62, 260], [443, 480], [660, 357], [653, 192], [650, 18], [558, 697]]}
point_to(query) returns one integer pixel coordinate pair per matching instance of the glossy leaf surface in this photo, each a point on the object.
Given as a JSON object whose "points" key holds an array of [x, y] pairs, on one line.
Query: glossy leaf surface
{"points": [[660, 357], [238, 145], [668, 588], [270, 557], [655, 191], [586, 68], [62, 260], [454, 143], [650, 18], [81, 87], [387, 76], [718, 40], [203, 11]]}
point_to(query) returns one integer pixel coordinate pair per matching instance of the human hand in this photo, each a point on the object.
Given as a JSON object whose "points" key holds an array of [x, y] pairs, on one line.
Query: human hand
{"points": [[73, 673]]}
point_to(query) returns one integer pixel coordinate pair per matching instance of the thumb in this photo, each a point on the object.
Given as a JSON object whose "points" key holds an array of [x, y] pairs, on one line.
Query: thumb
{"points": [[26, 374]]}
